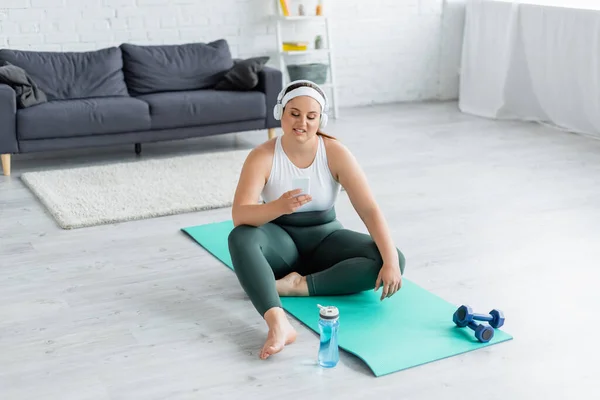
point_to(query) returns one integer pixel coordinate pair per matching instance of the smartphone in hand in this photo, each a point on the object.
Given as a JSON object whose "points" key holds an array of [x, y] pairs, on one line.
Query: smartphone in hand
{"points": [[301, 183]]}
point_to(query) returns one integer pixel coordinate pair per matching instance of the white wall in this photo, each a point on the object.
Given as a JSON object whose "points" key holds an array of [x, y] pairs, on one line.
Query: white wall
{"points": [[386, 50], [452, 28]]}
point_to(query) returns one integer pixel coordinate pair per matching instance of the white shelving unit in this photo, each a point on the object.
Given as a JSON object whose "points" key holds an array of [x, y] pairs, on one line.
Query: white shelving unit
{"points": [[286, 57]]}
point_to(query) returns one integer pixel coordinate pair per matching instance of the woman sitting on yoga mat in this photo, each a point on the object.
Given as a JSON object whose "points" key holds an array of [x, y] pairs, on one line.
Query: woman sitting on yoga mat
{"points": [[291, 243]]}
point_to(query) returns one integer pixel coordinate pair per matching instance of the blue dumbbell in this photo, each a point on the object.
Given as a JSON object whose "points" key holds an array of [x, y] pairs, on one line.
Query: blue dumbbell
{"points": [[464, 317], [483, 333], [465, 314]]}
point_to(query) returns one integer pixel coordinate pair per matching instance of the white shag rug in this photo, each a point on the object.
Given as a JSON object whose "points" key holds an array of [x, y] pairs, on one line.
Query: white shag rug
{"points": [[104, 194]]}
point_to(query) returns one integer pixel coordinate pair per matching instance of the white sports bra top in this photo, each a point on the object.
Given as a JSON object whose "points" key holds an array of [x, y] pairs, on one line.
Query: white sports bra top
{"points": [[324, 189]]}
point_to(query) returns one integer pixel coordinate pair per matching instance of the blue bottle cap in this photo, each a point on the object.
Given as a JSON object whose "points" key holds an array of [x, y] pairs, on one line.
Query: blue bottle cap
{"points": [[328, 312]]}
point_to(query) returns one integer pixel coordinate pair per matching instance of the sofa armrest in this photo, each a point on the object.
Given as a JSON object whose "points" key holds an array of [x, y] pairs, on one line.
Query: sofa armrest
{"points": [[270, 83], [8, 118]]}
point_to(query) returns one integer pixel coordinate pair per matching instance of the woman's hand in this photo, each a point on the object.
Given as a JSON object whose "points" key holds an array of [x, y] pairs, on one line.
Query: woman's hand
{"points": [[390, 279], [292, 200]]}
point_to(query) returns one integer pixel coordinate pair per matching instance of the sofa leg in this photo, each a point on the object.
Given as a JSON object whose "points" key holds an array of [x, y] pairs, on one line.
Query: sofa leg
{"points": [[138, 148], [272, 133], [6, 164]]}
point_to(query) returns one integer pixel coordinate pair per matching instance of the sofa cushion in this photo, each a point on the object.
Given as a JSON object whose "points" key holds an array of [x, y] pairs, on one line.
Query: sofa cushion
{"points": [[72, 75], [204, 107], [83, 117], [27, 92], [243, 75], [165, 68]]}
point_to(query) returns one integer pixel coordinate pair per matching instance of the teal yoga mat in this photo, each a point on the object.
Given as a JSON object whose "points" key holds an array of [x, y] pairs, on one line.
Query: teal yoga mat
{"points": [[411, 328]]}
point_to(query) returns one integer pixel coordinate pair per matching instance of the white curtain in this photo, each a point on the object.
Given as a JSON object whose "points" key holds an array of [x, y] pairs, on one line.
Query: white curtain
{"points": [[533, 62]]}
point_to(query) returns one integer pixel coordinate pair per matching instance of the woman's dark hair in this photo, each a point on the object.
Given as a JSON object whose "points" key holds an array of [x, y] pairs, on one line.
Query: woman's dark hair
{"points": [[318, 89]]}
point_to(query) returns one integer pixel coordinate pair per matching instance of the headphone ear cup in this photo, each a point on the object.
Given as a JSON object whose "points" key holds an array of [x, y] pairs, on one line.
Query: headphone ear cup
{"points": [[277, 110], [324, 120]]}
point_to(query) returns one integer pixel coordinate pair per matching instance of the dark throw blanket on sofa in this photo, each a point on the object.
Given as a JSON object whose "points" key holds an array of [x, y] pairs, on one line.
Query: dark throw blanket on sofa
{"points": [[28, 93]]}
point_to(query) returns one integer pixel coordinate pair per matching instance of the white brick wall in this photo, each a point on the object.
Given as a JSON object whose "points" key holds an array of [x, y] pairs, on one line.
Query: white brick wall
{"points": [[386, 50]]}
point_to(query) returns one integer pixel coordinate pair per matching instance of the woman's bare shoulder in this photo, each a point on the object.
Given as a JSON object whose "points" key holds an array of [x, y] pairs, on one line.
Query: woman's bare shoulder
{"points": [[265, 149], [254, 174], [339, 157], [336, 150], [261, 156]]}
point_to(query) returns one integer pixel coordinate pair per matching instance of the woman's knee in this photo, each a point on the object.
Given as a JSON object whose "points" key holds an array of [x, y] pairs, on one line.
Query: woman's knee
{"points": [[374, 254], [401, 261], [242, 236]]}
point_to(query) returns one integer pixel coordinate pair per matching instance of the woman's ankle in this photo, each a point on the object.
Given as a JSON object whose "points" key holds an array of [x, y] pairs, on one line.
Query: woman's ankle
{"points": [[292, 284], [274, 315], [302, 287]]}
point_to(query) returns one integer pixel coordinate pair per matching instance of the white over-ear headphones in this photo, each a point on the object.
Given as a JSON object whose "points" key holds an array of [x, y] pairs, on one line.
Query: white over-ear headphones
{"points": [[314, 91]]}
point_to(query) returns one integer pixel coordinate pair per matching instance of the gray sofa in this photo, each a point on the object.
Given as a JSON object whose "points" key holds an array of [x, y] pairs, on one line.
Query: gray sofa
{"points": [[131, 94]]}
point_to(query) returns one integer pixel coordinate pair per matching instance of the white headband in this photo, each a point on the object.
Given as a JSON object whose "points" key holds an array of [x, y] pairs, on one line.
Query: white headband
{"points": [[304, 91]]}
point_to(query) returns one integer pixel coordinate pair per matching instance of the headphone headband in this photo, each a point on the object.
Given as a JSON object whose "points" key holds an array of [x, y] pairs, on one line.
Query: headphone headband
{"points": [[311, 85], [304, 91]]}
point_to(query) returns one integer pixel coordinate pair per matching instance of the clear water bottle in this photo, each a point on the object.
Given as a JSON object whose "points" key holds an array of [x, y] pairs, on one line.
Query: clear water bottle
{"points": [[329, 353]]}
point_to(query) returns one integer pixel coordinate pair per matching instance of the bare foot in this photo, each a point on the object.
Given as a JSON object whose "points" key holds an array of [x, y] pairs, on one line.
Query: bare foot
{"points": [[292, 284], [281, 332]]}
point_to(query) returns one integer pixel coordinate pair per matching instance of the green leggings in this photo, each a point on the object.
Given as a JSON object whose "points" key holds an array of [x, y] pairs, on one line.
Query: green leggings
{"points": [[335, 261]]}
